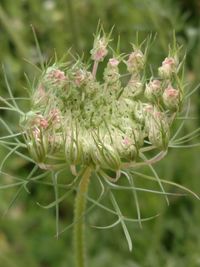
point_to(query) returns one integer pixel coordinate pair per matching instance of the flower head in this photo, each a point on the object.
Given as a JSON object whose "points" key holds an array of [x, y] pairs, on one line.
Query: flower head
{"points": [[171, 97], [135, 61], [113, 62], [169, 66], [153, 90], [106, 123], [99, 50]]}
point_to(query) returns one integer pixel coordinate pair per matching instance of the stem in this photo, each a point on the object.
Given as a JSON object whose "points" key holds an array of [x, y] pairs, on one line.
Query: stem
{"points": [[79, 219], [94, 70]]}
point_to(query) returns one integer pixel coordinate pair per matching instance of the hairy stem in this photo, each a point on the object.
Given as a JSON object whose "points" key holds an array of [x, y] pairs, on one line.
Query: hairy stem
{"points": [[79, 220], [94, 70]]}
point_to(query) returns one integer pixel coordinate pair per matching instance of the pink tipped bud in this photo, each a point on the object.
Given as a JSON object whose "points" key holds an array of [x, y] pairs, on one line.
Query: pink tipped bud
{"points": [[99, 50], [40, 121], [126, 141], [60, 75], [56, 76], [80, 77], [153, 89], [43, 123], [168, 67], [135, 61], [100, 54], [113, 62], [171, 97]]}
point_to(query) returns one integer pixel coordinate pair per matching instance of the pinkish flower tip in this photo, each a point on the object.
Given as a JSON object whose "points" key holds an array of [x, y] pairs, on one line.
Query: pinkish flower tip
{"points": [[113, 62], [43, 123], [171, 92], [126, 141]]}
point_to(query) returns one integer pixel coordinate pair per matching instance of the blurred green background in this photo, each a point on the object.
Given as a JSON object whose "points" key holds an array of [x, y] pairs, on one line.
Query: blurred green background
{"points": [[27, 232]]}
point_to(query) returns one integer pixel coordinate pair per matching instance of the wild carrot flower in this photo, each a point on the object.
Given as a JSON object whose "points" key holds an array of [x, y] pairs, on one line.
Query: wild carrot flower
{"points": [[107, 126]]}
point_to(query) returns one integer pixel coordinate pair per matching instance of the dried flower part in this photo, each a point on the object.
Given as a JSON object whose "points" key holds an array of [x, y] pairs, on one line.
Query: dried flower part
{"points": [[171, 98], [169, 66], [153, 90], [135, 61]]}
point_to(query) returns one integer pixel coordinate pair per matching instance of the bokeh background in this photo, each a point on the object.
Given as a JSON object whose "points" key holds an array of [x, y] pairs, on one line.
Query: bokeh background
{"points": [[27, 232]]}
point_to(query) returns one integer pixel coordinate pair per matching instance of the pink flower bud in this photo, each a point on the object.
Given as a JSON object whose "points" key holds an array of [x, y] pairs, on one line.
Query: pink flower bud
{"points": [[99, 50], [100, 54], [168, 67], [135, 61], [56, 76], [153, 89], [126, 141], [80, 77], [112, 75], [43, 123], [171, 97], [113, 62]]}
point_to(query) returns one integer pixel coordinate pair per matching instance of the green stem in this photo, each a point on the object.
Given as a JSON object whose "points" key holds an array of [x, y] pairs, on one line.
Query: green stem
{"points": [[79, 220]]}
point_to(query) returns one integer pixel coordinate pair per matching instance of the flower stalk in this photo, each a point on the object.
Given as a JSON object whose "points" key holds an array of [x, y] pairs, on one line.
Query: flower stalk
{"points": [[79, 219]]}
